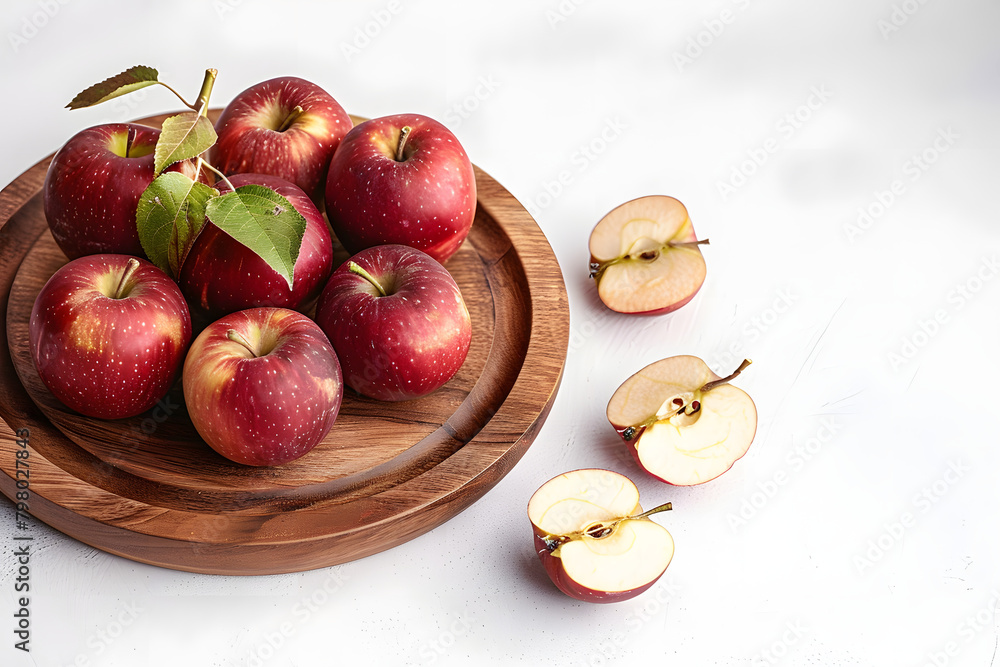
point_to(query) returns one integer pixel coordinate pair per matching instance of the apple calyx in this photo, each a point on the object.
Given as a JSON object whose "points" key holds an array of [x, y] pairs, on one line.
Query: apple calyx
{"points": [[357, 269], [123, 288], [681, 410], [404, 133], [292, 116], [599, 530], [646, 250]]}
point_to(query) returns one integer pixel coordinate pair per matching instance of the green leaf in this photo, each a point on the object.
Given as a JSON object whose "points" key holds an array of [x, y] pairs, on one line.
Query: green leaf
{"points": [[170, 215], [263, 221], [131, 79], [183, 136]]}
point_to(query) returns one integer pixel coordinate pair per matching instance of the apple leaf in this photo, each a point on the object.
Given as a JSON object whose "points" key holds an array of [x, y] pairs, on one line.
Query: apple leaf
{"points": [[263, 221], [169, 218], [183, 136], [131, 79]]}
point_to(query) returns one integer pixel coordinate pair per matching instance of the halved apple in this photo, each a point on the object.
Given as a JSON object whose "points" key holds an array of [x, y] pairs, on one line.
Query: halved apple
{"points": [[596, 543], [683, 423], [644, 256]]}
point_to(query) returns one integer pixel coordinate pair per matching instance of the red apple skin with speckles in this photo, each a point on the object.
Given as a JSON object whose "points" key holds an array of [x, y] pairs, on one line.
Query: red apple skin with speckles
{"points": [[268, 404], [427, 200], [251, 139], [221, 275], [403, 345], [92, 189], [103, 356]]}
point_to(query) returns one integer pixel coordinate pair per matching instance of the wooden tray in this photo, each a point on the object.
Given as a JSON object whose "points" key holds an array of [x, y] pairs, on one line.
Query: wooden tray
{"points": [[149, 489]]}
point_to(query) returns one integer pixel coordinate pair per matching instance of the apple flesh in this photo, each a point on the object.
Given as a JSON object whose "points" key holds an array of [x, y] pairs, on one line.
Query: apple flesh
{"points": [[92, 188], [645, 257], [398, 322], [593, 538], [682, 423], [286, 127], [262, 386], [401, 179], [221, 275], [108, 335]]}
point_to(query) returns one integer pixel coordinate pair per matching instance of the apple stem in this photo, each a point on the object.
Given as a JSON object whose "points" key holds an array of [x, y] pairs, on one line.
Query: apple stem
{"points": [[237, 337], [130, 269], [219, 174], [715, 383], [656, 510], [130, 139], [403, 134], [201, 104], [291, 118], [687, 244], [356, 269]]}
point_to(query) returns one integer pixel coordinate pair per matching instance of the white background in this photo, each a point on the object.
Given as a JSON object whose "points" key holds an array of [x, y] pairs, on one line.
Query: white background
{"points": [[621, 100]]}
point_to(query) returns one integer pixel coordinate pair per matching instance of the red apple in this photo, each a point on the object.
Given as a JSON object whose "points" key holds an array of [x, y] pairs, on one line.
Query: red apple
{"points": [[108, 334], [397, 320], [262, 386], [93, 185], [683, 423], [645, 257], [593, 538], [221, 275], [286, 127], [389, 184]]}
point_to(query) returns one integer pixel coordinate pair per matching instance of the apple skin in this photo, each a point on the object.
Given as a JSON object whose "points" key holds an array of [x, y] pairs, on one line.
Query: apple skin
{"points": [[250, 140], [267, 409], [400, 346], [91, 190], [106, 357], [427, 201], [221, 275]]}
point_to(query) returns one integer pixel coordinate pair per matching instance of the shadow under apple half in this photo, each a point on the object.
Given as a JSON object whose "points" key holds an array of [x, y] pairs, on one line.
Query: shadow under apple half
{"points": [[594, 540], [683, 423]]}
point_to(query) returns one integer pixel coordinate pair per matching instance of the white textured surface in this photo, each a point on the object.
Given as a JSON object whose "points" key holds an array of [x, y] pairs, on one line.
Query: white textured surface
{"points": [[818, 309]]}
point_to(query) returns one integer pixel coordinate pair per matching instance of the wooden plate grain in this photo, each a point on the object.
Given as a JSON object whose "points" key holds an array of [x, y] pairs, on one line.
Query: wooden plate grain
{"points": [[149, 489]]}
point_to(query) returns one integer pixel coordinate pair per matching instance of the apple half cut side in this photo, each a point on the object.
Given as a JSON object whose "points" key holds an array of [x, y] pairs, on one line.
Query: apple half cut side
{"points": [[594, 540], [683, 424], [645, 257]]}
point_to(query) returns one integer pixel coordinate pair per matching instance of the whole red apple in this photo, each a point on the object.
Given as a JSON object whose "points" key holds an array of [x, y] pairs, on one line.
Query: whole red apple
{"points": [[397, 320], [93, 185], [108, 334], [221, 275], [286, 127], [262, 386], [389, 184]]}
